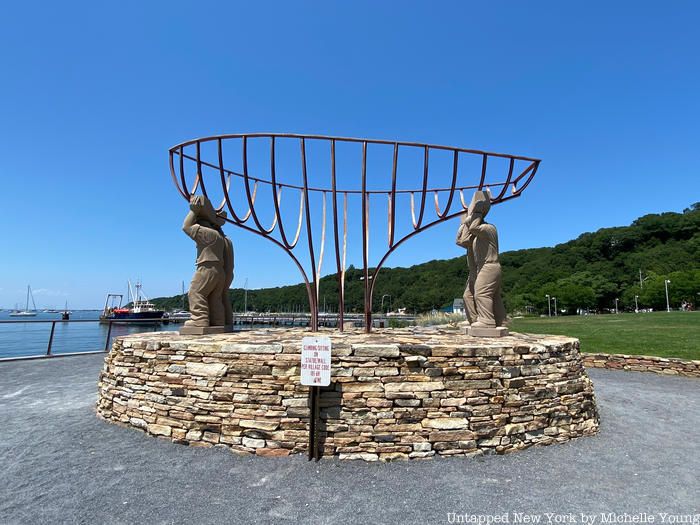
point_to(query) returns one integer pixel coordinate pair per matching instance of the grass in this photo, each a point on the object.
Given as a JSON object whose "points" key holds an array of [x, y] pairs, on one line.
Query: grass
{"points": [[663, 334], [439, 318]]}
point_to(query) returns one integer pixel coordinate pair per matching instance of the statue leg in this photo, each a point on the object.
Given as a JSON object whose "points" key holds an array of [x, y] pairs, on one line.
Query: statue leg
{"points": [[217, 312], [469, 304], [228, 310], [499, 310], [203, 282], [486, 288]]}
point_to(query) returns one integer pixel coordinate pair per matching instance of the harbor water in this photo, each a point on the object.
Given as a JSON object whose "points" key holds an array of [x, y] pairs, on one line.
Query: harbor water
{"points": [[29, 337]]}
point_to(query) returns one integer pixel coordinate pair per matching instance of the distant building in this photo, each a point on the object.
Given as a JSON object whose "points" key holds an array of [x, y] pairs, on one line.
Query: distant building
{"points": [[457, 307]]}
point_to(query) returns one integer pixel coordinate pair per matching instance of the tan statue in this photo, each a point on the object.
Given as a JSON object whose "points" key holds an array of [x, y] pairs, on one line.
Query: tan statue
{"points": [[208, 294], [482, 297]]}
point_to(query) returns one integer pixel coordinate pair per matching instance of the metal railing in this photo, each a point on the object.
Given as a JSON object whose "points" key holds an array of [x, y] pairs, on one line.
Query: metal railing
{"points": [[240, 322], [53, 322]]}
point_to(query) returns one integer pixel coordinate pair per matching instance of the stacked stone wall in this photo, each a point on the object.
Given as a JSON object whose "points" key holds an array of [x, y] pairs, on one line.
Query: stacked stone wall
{"points": [[643, 363], [394, 394]]}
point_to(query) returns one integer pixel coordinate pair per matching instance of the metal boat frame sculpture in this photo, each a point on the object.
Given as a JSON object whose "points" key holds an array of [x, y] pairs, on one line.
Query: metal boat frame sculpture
{"points": [[190, 153]]}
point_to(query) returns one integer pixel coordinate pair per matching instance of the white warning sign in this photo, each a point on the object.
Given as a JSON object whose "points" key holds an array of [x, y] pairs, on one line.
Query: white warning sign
{"points": [[316, 361]]}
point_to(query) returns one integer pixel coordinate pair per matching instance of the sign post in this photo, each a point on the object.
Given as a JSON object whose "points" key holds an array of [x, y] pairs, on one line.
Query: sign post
{"points": [[315, 373]]}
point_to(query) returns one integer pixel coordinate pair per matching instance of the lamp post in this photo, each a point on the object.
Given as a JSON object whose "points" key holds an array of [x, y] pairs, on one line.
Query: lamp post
{"points": [[616, 300], [245, 296], [668, 304], [383, 296], [549, 306], [636, 304], [555, 306]]}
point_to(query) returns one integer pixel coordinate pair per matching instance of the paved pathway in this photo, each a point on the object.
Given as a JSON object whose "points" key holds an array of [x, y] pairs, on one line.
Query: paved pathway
{"points": [[60, 464]]}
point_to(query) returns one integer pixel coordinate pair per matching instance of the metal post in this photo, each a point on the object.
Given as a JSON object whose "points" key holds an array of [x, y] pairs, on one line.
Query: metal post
{"points": [[549, 306], [616, 311], [109, 335], [48, 348], [636, 304], [668, 304], [314, 412]]}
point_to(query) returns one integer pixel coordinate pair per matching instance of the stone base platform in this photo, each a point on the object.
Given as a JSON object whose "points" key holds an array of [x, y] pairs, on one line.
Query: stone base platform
{"points": [[394, 394]]}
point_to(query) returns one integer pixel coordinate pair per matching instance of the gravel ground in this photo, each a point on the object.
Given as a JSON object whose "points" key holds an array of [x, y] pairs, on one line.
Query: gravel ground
{"points": [[60, 464]]}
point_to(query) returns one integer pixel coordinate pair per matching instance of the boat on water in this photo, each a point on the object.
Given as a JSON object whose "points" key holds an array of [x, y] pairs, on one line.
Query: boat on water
{"points": [[140, 309], [26, 312], [178, 316]]}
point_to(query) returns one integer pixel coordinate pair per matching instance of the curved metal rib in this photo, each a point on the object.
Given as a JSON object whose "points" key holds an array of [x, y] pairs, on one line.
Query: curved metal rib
{"points": [[452, 189], [312, 278]]}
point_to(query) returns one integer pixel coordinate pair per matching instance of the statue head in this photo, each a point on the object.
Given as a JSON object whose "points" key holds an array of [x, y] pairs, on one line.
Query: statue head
{"points": [[220, 218], [480, 204]]}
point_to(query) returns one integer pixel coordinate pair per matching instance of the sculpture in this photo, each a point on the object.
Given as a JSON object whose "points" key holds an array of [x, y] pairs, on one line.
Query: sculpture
{"points": [[208, 294], [332, 195], [482, 296]]}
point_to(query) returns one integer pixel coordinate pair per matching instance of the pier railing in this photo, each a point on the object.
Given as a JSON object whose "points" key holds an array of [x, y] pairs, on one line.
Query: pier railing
{"points": [[53, 322], [241, 321]]}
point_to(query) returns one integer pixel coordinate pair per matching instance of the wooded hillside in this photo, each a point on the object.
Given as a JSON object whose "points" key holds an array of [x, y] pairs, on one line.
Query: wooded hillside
{"points": [[587, 272]]}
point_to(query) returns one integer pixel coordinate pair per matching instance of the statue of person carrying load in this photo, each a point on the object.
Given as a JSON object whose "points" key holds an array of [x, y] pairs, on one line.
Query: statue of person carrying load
{"points": [[208, 294], [482, 297]]}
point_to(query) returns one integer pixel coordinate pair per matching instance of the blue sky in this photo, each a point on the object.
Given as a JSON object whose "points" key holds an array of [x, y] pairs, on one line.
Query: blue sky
{"points": [[92, 95]]}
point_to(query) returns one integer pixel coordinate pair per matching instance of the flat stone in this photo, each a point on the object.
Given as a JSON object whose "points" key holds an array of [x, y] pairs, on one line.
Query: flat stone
{"points": [[252, 349], [203, 330], [259, 424], [481, 331], [360, 455], [272, 452], [451, 435], [206, 369], [415, 386], [445, 423], [159, 430], [253, 443], [367, 350]]}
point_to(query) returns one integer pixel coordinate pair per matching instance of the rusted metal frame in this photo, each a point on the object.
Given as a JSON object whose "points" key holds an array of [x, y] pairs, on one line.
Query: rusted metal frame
{"points": [[532, 170], [365, 242], [405, 238], [181, 190], [455, 161], [289, 252], [484, 161], [314, 189], [322, 248], [392, 196], [507, 182], [251, 200], [313, 302], [416, 224], [340, 272], [278, 214], [227, 199], [354, 139], [531, 167]]}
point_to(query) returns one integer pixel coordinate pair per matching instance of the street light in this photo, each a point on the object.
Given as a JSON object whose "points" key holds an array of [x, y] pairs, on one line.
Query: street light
{"points": [[383, 296], [549, 306], [555, 306], [668, 305], [245, 300], [616, 300], [636, 304]]}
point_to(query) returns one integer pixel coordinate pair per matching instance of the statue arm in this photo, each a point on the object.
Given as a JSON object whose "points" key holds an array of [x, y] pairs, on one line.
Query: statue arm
{"points": [[477, 227], [189, 225]]}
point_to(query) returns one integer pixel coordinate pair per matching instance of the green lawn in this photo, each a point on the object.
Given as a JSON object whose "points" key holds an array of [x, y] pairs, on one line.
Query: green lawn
{"points": [[664, 334]]}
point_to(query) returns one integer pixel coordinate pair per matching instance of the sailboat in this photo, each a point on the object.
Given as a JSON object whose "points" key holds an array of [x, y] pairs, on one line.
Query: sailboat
{"points": [[26, 312]]}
